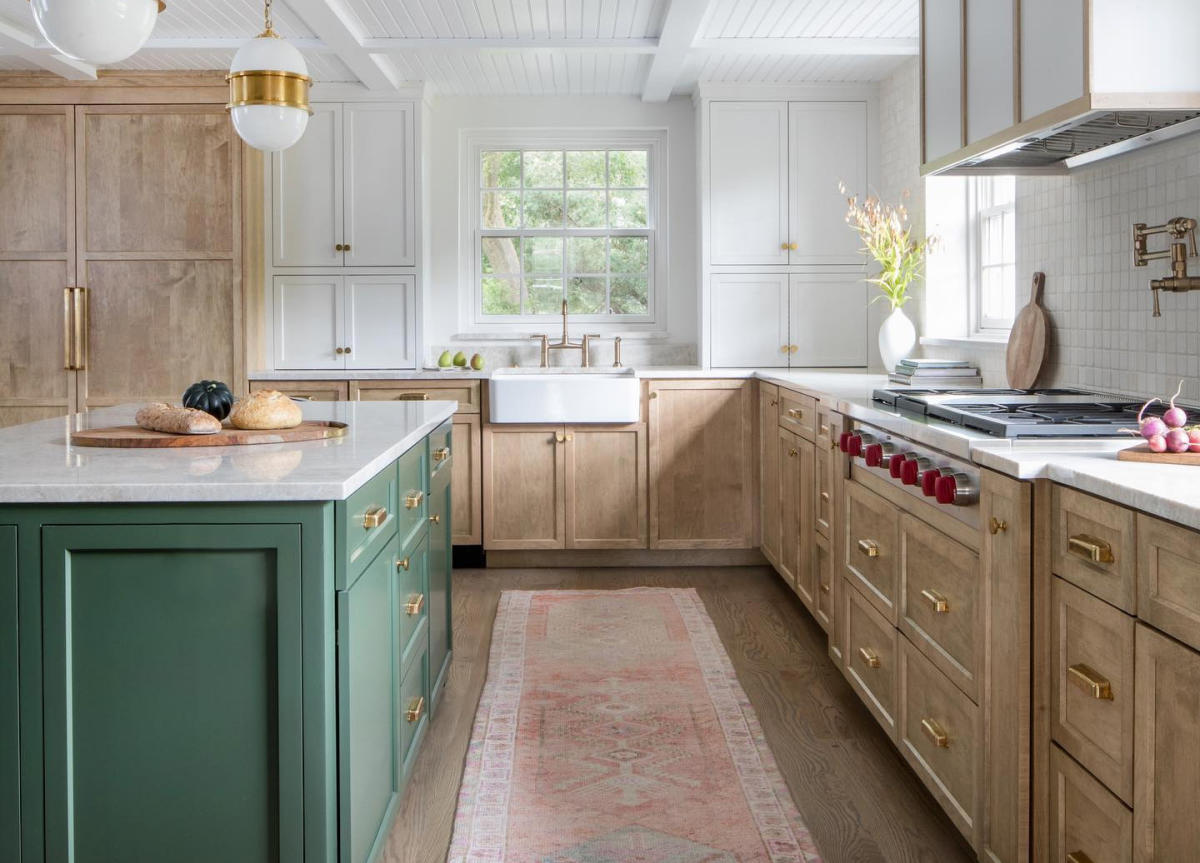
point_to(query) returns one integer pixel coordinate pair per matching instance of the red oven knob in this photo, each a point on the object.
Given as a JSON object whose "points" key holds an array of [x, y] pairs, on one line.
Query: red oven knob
{"points": [[911, 470], [929, 478], [896, 465], [945, 488], [855, 445], [844, 441], [956, 489], [873, 454]]}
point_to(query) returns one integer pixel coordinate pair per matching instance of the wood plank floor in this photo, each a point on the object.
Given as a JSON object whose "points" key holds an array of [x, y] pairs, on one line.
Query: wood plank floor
{"points": [[853, 790]]}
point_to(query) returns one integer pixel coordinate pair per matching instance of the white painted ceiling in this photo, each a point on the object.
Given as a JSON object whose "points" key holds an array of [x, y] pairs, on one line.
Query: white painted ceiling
{"points": [[529, 47]]}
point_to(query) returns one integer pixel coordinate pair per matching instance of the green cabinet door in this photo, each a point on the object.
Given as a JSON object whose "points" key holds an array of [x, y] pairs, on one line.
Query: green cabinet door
{"points": [[368, 675], [172, 691], [10, 761], [440, 552]]}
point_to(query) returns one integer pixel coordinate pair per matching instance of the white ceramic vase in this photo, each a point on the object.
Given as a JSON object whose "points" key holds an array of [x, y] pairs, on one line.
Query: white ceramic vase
{"points": [[897, 336]]}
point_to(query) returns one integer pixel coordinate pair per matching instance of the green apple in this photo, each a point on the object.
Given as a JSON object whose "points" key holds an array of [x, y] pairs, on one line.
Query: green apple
{"points": [[460, 359], [477, 362], [444, 360]]}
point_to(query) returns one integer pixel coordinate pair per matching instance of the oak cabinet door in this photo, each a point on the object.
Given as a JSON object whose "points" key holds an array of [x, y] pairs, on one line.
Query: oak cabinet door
{"points": [[524, 487], [749, 320], [606, 487], [805, 476], [827, 145], [769, 482], [379, 218], [309, 322], [306, 194], [787, 446], [381, 323], [466, 481]]}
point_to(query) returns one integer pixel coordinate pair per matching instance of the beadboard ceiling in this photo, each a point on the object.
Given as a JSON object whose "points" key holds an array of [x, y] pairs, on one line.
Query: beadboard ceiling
{"points": [[651, 48]]}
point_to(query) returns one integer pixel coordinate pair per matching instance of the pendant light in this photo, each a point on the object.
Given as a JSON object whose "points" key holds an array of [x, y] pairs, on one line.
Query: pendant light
{"points": [[101, 32], [268, 90]]}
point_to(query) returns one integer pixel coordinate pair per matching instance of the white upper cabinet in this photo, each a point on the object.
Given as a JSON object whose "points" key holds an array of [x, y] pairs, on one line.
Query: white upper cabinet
{"points": [[309, 323], [750, 320], [828, 320], [380, 322], [345, 195], [748, 183], [1052, 54], [828, 146], [991, 76], [942, 77]]}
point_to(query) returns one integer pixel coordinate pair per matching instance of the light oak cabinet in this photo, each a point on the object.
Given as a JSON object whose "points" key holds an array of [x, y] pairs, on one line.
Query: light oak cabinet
{"points": [[311, 391], [796, 564], [703, 476], [554, 487], [769, 512]]}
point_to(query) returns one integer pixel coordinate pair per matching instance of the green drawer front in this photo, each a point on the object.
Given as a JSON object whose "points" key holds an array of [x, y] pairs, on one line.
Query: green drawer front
{"points": [[414, 711], [370, 517], [440, 449], [414, 493], [412, 585]]}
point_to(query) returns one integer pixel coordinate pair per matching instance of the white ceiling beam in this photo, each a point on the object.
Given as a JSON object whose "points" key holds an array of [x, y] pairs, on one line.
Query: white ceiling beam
{"points": [[393, 45], [334, 26], [680, 26], [22, 43], [808, 46], [221, 43]]}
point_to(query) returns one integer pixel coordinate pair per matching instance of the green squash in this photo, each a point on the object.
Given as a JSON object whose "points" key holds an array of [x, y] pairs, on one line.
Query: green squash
{"points": [[212, 397]]}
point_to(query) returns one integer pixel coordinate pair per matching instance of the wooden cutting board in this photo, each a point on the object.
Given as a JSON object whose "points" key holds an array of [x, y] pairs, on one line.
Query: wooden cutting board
{"points": [[1027, 342], [133, 437], [1142, 453]]}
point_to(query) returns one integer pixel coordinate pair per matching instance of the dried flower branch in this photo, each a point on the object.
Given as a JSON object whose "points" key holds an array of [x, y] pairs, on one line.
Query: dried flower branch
{"points": [[887, 237]]}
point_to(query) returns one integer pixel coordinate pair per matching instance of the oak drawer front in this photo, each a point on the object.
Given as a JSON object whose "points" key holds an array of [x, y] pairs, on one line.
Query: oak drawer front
{"points": [[823, 487], [369, 520], [1168, 579], [825, 429], [441, 449], [823, 568], [412, 593], [466, 393], [412, 507], [940, 610], [940, 734], [311, 391], [798, 413], [1093, 542], [872, 543], [870, 657], [1086, 820], [412, 713], [1092, 685]]}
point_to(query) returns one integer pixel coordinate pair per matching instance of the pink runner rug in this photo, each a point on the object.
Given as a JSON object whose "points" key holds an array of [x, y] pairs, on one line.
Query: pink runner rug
{"points": [[612, 729]]}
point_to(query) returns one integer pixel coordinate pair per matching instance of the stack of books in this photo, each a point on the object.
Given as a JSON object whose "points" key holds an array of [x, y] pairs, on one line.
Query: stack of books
{"points": [[936, 373]]}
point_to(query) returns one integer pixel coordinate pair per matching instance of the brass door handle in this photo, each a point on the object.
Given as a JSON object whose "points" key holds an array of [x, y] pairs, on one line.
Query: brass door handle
{"points": [[869, 547], [869, 656], [412, 397], [374, 516], [441, 453], [937, 601], [936, 734], [436, 518], [997, 525], [413, 499], [416, 708], [414, 605], [1090, 681], [1078, 857], [403, 563], [1090, 548]]}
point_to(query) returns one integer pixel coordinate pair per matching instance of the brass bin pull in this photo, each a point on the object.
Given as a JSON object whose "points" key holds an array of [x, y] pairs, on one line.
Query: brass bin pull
{"points": [[869, 547], [412, 397], [374, 516], [402, 563], [1078, 857], [1090, 681], [936, 734], [441, 453], [413, 499], [414, 605], [937, 601], [416, 707], [1090, 548], [870, 657]]}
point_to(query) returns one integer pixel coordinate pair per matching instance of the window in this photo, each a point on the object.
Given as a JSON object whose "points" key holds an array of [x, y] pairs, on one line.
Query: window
{"points": [[574, 220], [992, 241]]}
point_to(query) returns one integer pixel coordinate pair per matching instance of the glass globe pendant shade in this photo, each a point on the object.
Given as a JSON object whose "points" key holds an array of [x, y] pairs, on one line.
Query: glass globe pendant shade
{"points": [[96, 31], [268, 93]]}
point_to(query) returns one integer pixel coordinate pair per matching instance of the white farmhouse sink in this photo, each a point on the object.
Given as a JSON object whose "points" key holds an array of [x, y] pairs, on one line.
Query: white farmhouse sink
{"points": [[565, 396]]}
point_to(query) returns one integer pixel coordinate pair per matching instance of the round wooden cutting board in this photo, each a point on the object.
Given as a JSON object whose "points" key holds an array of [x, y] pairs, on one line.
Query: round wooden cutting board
{"points": [[1027, 341], [133, 437]]}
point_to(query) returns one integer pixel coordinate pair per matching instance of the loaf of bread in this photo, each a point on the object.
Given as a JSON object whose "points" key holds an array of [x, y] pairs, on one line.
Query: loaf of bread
{"points": [[266, 409], [177, 420]]}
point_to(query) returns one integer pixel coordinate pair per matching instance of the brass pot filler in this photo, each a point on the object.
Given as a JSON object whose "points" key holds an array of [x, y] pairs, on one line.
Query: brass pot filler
{"points": [[1179, 281]]}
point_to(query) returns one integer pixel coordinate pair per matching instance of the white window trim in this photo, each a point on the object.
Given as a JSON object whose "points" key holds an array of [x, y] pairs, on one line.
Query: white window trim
{"points": [[472, 143], [979, 327]]}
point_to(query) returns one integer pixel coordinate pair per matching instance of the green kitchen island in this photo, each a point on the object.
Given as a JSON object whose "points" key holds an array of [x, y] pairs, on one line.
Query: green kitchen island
{"points": [[220, 653]]}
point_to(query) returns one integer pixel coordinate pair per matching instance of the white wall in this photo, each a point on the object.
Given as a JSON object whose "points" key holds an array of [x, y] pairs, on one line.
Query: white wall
{"points": [[443, 281]]}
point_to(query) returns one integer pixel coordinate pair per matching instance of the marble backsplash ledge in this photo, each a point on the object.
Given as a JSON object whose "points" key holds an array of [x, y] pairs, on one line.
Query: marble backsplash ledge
{"points": [[635, 353]]}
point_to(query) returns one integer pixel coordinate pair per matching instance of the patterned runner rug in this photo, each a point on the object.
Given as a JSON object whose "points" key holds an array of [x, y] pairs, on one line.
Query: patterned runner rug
{"points": [[612, 730]]}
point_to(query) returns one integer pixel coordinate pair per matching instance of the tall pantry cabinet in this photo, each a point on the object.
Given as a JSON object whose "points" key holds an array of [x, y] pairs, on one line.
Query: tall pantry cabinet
{"points": [[784, 279], [120, 248]]}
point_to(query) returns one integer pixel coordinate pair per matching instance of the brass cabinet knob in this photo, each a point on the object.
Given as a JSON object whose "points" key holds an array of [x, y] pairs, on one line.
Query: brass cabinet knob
{"points": [[436, 518], [337, 247], [793, 348], [416, 708], [792, 453], [374, 516], [414, 605], [774, 402], [1090, 681], [559, 437], [413, 499], [403, 563], [346, 247], [869, 656], [825, 588], [788, 247], [997, 525], [934, 731], [346, 349], [441, 453], [339, 351], [784, 349]]}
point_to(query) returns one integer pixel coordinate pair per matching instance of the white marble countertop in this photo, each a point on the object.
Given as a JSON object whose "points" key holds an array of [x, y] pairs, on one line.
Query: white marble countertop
{"points": [[39, 465], [454, 374]]}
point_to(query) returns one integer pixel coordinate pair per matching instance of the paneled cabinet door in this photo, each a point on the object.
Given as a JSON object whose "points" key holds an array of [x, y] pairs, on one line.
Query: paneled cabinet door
{"points": [[991, 57], [749, 320], [787, 445], [828, 320], [467, 492], [827, 146], [440, 515], [748, 183], [1053, 64], [1166, 770], [769, 483], [941, 85], [802, 476], [524, 484], [306, 194], [381, 322], [309, 322], [10, 757], [606, 487], [379, 171]]}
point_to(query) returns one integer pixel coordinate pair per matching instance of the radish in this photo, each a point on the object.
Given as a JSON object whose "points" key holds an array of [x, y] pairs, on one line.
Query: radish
{"points": [[1177, 440], [1194, 439], [1175, 418], [1158, 443], [1150, 426]]}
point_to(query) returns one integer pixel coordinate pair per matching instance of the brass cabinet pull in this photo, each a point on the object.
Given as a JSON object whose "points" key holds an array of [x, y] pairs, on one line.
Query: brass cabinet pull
{"points": [[414, 605], [374, 516], [402, 563], [1090, 681], [413, 499], [416, 707], [788, 247], [792, 453], [570, 437], [436, 518], [774, 402], [869, 547], [441, 453], [825, 496], [68, 339], [1090, 548], [936, 734], [869, 656], [824, 430], [997, 525], [412, 397], [937, 602], [1078, 857], [825, 588], [79, 320], [795, 413], [559, 437]]}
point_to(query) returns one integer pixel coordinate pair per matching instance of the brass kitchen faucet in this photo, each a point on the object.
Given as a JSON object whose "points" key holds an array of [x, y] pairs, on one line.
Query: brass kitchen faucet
{"points": [[1179, 281], [565, 343]]}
